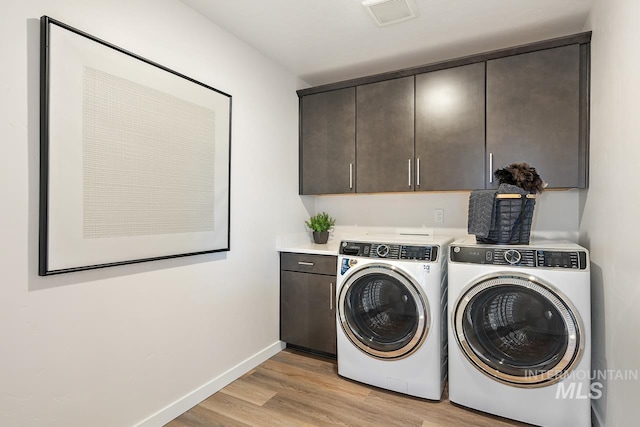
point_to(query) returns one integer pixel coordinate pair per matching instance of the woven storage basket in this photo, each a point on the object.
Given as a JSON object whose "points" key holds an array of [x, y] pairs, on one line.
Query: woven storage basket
{"points": [[505, 229]]}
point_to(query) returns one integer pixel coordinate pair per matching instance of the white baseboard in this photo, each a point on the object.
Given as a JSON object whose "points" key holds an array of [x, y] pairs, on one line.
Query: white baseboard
{"points": [[187, 402]]}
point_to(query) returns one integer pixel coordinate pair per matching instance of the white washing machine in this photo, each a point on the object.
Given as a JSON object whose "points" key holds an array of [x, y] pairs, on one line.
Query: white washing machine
{"points": [[391, 313], [520, 331]]}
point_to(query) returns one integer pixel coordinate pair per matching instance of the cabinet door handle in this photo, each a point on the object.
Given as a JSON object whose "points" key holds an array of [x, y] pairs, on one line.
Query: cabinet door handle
{"points": [[331, 296], [310, 264], [491, 168], [350, 176], [418, 172], [409, 173]]}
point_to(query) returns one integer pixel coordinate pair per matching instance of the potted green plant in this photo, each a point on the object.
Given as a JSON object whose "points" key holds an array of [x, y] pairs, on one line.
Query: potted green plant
{"points": [[320, 224]]}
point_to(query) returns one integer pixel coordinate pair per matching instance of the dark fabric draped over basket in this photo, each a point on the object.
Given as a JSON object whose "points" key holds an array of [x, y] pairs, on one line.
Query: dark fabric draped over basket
{"points": [[501, 216]]}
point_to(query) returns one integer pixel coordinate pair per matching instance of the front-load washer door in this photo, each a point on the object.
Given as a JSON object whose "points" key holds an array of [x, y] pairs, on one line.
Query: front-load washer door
{"points": [[518, 330], [383, 311]]}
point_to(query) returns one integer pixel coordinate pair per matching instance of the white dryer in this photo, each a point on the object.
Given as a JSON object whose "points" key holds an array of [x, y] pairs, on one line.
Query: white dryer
{"points": [[391, 313], [520, 331]]}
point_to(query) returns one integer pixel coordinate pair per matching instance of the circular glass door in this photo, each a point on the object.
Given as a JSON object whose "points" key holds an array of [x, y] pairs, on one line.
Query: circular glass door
{"points": [[518, 330], [383, 312]]}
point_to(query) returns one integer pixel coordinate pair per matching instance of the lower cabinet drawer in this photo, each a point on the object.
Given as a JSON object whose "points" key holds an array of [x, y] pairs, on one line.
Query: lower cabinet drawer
{"points": [[309, 263]]}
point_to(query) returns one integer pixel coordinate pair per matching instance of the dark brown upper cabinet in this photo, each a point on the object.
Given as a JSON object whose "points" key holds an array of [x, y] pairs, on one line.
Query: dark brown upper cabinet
{"points": [[328, 142], [534, 114], [450, 128], [384, 141], [449, 125]]}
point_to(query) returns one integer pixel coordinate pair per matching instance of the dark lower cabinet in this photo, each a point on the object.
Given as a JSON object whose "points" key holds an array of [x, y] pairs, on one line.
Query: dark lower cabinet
{"points": [[307, 301], [533, 115]]}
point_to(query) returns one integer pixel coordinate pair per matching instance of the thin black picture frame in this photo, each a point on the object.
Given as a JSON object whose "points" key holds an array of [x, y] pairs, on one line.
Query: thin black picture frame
{"points": [[44, 266]]}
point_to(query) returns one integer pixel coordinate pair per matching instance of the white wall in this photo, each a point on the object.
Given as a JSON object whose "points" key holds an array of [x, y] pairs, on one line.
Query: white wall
{"points": [[113, 346], [611, 208], [555, 214]]}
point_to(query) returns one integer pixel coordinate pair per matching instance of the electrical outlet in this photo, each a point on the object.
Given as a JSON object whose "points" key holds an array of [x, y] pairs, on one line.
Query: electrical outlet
{"points": [[439, 215]]}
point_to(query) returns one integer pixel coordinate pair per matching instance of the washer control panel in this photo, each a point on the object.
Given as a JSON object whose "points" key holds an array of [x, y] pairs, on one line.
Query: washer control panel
{"points": [[520, 257], [390, 251]]}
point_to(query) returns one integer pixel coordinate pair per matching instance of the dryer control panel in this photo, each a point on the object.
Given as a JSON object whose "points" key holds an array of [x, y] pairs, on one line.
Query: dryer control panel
{"points": [[520, 257], [390, 251]]}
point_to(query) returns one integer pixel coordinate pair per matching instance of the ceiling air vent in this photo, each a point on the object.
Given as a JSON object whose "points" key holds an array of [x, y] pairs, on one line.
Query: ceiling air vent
{"points": [[387, 12]]}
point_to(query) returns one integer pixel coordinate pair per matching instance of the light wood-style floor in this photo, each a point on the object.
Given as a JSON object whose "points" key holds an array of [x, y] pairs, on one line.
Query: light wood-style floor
{"points": [[297, 389]]}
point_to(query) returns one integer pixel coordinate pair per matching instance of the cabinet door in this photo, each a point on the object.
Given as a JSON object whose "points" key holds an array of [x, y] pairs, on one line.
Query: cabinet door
{"points": [[450, 128], [307, 311], [533, 114], [385, 136], [327, 142]]}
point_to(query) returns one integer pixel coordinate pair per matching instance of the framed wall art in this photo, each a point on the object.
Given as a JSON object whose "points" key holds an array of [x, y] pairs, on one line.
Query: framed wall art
{"points": [[134, 157]]}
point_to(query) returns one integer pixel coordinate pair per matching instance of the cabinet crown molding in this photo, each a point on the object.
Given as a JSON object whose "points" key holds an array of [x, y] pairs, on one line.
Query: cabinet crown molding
{"points": [[579, 38]]}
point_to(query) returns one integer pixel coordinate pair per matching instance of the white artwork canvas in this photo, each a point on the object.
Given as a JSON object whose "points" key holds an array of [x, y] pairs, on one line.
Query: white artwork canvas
{"points": [[135, 157]]}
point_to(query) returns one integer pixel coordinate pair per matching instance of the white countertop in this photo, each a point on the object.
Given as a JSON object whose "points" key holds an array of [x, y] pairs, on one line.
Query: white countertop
{"points": [[329, 248], [303, 242]]}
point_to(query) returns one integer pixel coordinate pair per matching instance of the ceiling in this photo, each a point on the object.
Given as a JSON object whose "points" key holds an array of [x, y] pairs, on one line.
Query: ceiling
{"points": [[325, 41]]}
